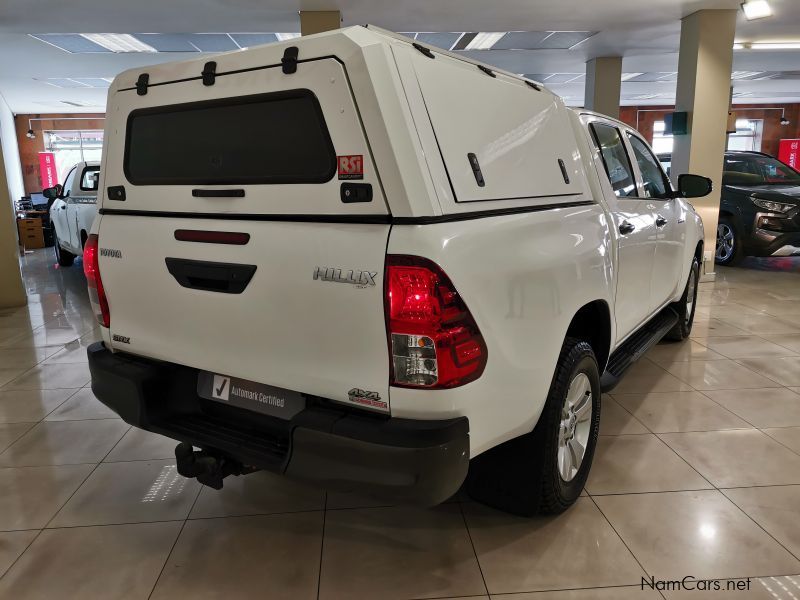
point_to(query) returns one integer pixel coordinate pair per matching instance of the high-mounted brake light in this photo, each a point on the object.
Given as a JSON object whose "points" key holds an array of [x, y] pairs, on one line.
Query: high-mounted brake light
{"points": [[91, 269], [433, 339]]}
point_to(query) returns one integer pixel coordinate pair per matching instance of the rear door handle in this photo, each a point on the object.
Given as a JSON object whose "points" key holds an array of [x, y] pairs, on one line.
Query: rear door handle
{"points": [[660, 221], [226, 278], [626, 227]]}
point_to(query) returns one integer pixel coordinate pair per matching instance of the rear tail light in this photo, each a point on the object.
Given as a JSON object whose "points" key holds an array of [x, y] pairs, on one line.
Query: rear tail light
{"points": [[433, 339], [91, 269]]}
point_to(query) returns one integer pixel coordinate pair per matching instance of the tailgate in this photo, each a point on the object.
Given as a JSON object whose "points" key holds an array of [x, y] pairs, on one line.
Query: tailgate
{"points": [[295, 298], [286, 328]]}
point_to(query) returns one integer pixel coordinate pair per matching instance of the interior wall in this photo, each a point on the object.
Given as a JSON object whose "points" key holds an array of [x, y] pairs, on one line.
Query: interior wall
{"points": [[643, 117], [8, 140], [29, 148]]}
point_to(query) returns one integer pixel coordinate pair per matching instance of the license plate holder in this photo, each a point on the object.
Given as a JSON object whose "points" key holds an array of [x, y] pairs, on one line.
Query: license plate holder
{"points": [[250, 395]]}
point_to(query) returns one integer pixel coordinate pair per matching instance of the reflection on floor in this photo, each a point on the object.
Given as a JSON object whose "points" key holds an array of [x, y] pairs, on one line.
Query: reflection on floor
{"points": [[697, 473]]}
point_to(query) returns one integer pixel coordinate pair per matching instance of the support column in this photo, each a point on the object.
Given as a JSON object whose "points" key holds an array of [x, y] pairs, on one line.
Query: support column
{"points": [[603, 82], [317, 21], [12, 291], [704, 80]]}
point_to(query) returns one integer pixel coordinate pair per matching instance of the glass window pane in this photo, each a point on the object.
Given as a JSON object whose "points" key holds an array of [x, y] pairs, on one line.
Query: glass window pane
{"points": [[279, 137], [615, 159], [89, 179], [654, 181]]}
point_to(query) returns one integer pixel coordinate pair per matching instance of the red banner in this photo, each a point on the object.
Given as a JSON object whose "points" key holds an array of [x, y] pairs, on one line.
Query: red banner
{"points": [[48, 175], [789, 153]]}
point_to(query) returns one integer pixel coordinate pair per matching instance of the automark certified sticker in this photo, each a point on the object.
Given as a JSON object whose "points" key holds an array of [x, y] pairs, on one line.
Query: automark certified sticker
{"points": [[250, 395]]}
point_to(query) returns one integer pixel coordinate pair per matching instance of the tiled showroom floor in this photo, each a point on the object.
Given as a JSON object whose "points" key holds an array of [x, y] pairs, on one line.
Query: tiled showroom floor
{"points": [[697, 473]]}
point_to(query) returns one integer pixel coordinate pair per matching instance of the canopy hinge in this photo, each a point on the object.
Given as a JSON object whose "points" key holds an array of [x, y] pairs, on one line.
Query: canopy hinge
{"points": [[289, 60], [426, 51], [142, 83], [209, 73]]}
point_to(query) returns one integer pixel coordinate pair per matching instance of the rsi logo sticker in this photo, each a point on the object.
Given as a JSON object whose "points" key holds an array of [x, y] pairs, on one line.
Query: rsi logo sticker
{"points": [[359, 278], [351, 166], [111, 252]]}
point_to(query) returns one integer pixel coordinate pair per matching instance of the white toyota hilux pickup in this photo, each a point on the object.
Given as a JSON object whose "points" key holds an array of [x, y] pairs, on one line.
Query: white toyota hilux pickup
{"points": [[368, 263], [73, 210]]}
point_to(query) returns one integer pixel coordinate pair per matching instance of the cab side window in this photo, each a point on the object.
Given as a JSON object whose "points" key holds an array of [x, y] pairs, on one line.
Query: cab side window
{"points": [[68, 183], [615, 159], [654, 182]]}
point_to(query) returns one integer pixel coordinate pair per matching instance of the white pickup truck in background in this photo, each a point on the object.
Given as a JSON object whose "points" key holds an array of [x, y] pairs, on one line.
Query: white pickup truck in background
{"points": [[73, 209], [365, 262]]}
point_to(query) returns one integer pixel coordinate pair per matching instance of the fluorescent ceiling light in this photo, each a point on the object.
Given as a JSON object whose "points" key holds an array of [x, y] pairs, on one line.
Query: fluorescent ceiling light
{"points": [[738, 46], [485, 40], [118, 42], [774, 46], [282, 37], [626, 76], [756, 9], [745, 74]]}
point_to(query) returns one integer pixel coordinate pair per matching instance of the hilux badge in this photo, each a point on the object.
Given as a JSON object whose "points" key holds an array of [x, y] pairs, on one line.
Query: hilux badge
{"points": [[358, 278]]}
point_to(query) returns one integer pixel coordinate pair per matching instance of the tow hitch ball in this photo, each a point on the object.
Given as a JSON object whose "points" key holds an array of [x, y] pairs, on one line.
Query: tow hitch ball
{"points": [[208, 467]]}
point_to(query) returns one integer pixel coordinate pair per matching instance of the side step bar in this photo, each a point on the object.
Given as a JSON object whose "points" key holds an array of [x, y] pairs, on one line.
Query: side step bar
{"points": [[635, 346]]}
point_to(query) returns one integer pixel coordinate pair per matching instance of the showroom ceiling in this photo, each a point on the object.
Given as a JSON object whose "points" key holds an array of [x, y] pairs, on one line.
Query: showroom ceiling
{"points": [[60, 57]]}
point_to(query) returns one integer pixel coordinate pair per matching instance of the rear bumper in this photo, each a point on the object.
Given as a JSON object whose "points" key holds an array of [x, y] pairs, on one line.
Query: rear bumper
{"points": [[407, 460]]}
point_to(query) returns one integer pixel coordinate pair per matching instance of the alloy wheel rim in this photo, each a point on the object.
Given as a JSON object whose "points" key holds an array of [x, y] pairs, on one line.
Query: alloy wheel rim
{"points": [[725, 241], [576, 422], [690, 291]]}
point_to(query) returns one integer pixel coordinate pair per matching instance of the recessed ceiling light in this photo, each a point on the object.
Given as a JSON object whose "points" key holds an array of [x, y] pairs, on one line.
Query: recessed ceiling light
{"points": [[485, 40], [282, 37], [756, 9], [118, 42]]}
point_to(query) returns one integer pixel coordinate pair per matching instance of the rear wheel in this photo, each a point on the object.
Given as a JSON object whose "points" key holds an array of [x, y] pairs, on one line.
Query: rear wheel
{"points": [[64, 258], [685, 306], [728, 251], [544, 471]]}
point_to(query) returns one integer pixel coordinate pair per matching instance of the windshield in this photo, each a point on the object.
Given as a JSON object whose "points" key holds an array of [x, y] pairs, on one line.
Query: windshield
{"points": [[751, 170]]}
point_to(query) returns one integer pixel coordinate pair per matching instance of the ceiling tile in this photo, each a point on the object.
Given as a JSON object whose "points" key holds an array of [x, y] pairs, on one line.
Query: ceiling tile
{"points": [[521, 40], [71, 42], [167, 42], [212, 42], [246, 40], [440, 40], [562, 40]]}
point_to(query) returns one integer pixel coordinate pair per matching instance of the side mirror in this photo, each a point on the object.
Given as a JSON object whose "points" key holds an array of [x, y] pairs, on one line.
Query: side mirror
{"points": [[53, 193], [694, 186]]}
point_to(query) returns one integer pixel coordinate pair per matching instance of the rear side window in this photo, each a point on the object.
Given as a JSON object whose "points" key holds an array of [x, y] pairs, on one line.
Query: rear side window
{"points": [[89, 179], [615, 159], [274, 138]]}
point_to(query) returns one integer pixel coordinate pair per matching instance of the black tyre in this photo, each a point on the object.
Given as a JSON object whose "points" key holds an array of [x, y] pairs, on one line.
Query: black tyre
{"points": [[729, 247], [64, 258], [685, 306], [544, 471]]}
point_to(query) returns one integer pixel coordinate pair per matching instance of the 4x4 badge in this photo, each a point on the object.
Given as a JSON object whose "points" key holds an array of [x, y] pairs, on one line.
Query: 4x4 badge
{"points": [[359, 278]]}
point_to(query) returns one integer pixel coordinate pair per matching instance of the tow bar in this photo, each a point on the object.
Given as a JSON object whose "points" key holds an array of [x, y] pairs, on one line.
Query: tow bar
{"points": [[210, 468]]}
